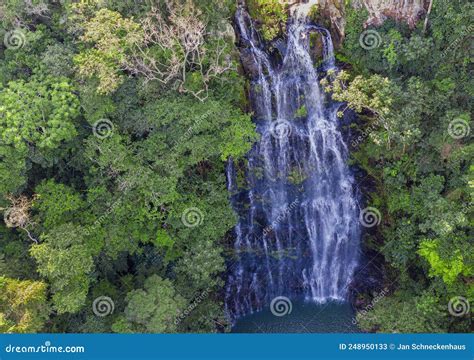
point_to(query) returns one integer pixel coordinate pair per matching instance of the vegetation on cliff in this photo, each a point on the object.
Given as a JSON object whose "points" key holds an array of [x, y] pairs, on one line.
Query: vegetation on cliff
{"points": [[270, 15], [413, 90]]}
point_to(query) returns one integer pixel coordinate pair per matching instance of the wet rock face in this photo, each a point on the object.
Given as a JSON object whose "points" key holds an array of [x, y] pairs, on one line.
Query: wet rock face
{"points": [[248, 63], [409, 11], [331, 13]]}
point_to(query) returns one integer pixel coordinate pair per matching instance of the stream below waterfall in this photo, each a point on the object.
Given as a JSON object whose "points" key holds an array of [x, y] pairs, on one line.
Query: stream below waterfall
{"points": [[297, 237]]}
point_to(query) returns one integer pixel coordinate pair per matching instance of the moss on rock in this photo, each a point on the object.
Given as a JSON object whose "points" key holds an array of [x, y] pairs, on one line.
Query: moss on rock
{"points": [[271, 15]]}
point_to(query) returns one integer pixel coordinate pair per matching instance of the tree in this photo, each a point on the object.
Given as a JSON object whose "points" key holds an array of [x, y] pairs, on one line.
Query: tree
{"points": [[178, 47], [17, 12], [65, 259], [372, 94], [152, 309], [12, 170], [18, 215], [48, 195], [405, 313], [36, 118], [38, 113], [448, 269], [111, 37], [23, 306]]}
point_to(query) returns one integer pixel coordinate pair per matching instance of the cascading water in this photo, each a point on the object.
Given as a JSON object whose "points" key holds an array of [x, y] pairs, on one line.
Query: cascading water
{"points": [[298, 231]]}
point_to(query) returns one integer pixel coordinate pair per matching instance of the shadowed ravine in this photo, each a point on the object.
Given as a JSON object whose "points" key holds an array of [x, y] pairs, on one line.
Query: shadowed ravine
{"points": [[298, 231]]}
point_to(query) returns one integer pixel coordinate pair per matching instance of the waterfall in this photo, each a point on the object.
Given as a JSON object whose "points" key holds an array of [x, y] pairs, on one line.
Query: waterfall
{"points": [[298, 231]]}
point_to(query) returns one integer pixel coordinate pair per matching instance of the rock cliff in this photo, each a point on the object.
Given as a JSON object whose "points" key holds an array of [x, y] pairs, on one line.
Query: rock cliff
{"points": [[409, 11], [331, 13]]}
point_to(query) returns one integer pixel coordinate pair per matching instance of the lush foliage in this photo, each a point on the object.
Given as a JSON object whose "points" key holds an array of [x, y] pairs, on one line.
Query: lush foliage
{"points": [[152, 309], [112, 180], [23, 306], [411, 89], [271, 16]]}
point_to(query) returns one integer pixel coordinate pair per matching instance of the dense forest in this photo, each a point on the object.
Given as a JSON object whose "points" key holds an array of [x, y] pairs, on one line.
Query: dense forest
{"points": [[117, 119]]}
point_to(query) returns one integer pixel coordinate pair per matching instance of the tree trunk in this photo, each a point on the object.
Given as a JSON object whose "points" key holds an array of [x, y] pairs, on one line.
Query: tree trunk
{"points": [[425, 25]]}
